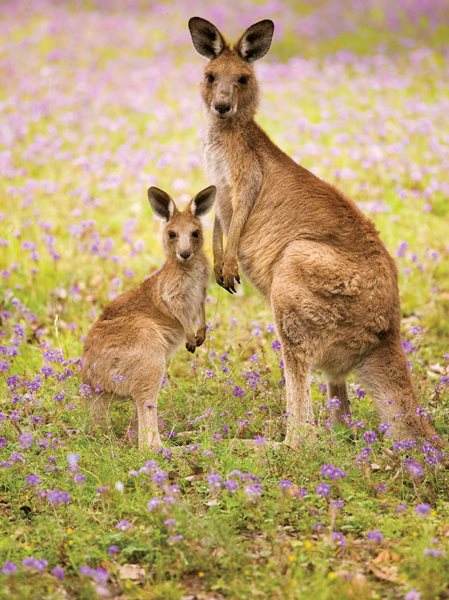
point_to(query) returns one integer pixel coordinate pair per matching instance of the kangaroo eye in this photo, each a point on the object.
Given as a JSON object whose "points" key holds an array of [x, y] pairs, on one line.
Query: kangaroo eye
{"points": [[172, 235], [244, 79], [196, 234], [210, 78]]}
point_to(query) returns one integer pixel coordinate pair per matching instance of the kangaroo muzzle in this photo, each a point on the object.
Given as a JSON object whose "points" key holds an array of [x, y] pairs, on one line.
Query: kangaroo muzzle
{"points": [[224, 102]]}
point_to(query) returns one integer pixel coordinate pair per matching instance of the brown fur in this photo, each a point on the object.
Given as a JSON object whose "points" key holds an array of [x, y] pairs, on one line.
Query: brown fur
{"points": [[126, 351], [309, 250]]}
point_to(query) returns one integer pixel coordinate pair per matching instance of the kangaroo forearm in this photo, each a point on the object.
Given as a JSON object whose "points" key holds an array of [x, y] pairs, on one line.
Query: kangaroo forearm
{"points": [[245, 189], [239, 218], [203, 312], [218, 241]]}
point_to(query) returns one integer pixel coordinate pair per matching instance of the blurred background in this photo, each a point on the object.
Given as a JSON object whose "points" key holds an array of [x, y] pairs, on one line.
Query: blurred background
{"points": [[100, 99]]}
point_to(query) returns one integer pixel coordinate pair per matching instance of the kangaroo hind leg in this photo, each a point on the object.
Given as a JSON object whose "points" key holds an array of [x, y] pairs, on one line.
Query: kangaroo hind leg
{"points": [[339, 390], [386, 376]]}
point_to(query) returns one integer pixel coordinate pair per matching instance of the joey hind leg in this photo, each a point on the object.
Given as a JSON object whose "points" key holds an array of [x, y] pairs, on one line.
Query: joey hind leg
{"points": [[145, 399], [340, 391], [148, 430], [100, 409]]}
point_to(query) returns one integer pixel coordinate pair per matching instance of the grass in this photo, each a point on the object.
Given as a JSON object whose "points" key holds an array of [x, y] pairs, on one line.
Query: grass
{"points": [[86, 128]]}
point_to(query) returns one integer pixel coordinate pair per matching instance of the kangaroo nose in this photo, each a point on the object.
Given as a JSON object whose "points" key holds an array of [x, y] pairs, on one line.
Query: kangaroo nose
{"points": [[223, 108], [185, 255]]}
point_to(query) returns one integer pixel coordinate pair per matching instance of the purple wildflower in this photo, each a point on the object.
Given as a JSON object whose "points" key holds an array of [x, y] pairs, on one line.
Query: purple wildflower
{"points": [[238, 392], [73, 459], [153, 503], [384, 428], [433, 552], [58, 572], [375, 536], [412, 595], [370, 436], [56, 497], [9, 568], [231, 485], [33, 479], [323, 489], [174, 539], [332, 472], [285, 484], [26, 440], [339, 538], [123, 525], [214, 481], [170, 523], [414, 467], [39, 564], [253, 491], [423, 509], [100, 575]]}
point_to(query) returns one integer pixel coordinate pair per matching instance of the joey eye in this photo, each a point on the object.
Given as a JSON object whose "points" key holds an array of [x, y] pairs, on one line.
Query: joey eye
{"points": [[172, 235], [244, 79], [210, 78], [196, 234]]}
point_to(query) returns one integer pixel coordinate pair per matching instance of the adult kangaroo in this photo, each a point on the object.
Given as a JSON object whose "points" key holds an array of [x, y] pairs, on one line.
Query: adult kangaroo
{"points": [[309, 250]]}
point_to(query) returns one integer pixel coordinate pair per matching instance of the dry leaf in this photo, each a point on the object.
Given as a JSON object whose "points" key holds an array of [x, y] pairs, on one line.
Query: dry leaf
{"points": [[386, 556], [132, 572], [386, 573], [214, 502]]}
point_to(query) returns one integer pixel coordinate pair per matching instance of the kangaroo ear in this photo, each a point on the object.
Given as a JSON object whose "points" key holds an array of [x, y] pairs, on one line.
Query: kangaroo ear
{"points": [[256, 41], [203, 201], [161, 203], [206, 38]]}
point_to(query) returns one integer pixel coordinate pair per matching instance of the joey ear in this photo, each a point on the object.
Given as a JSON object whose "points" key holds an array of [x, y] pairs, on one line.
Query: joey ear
{"points": [[161, 203], [203, 201], [256, 40], [206, 38]]}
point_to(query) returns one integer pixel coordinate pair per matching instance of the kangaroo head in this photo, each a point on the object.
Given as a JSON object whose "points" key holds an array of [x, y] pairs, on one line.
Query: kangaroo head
{"points": [[183, 232], [229, 88]]}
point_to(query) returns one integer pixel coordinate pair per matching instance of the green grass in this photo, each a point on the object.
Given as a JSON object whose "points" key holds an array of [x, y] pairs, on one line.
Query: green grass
{"points": [[97, 101]]}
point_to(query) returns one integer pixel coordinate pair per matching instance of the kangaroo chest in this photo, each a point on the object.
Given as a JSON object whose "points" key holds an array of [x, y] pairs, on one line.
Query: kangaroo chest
{"points": [[219, 174], [186, 293]]}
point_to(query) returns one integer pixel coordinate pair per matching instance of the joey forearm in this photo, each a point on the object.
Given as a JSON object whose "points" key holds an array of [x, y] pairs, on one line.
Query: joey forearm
{"points": [[177, 310], [187, 322]]}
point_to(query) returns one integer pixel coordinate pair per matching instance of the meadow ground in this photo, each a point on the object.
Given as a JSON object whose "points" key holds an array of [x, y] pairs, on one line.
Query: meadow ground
{"points": [[99, 100]]}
